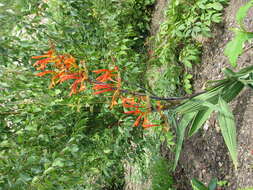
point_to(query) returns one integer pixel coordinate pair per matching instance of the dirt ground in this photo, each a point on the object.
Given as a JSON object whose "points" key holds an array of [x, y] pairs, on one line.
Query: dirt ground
{"points": [[205, 155]]}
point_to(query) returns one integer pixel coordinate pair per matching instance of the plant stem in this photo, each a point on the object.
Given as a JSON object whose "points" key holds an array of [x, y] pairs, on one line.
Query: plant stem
{"points": [[152, 97]]}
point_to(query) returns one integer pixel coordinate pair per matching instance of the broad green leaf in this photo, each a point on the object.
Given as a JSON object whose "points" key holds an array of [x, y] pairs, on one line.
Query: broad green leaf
{"points": [[235, 47], [213, 184], [187, 118], [228, 129], [197, 185], [242, 12], [199, 120], [232, 90]]}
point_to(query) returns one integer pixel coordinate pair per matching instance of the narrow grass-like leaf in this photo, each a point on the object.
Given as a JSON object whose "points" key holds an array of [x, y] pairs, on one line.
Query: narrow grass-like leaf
{"points": [[199, 120], [187, 118], [251, 86], [228, 72], [249, 188], [244, 71], [197, 185], [217, 82], [193, 105], [232, 90], [228, 129], [196, 104]]}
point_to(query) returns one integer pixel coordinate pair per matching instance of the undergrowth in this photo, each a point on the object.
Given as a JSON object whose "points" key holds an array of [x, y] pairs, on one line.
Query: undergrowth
{"points": [[49, 140], [179, 42]]}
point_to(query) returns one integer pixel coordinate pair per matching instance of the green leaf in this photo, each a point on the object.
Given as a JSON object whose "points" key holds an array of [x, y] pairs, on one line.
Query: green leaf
{"points": [[217, 6], [187, 63], [58, 162], [242, 12], [213, 184], [244, 71], [199, 120], [235, 47], [198, 104], [228, 129], [231, 90], [249, 188], [197, 185], [187, 118], [217, 17], [228, 72], [251, 86]]}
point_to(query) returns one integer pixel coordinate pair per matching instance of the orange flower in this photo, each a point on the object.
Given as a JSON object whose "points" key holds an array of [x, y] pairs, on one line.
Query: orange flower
{"points": [[69, 62], [44, 73], [130, 103], [55, 77], [79, 79], [114, 78], [48, 54], [146, 124], [42, 63], [117, 92], [64, 65], [141, 115], [136, 112], [69, 76], [105, 87], [108, 74], [48, 58], [75, 85]]}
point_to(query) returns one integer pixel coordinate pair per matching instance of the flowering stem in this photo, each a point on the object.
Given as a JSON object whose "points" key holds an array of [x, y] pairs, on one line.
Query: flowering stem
{"points": [[152, 97]]}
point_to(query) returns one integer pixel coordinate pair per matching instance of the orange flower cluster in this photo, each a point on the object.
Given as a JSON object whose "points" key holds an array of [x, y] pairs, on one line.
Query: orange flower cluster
{"points": [[131, 103], [63, 67], [109, 80]]}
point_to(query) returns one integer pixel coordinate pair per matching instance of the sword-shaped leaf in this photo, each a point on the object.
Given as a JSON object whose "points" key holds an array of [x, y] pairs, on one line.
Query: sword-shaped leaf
{"points": [[232, 90], [187, 118], [228, 129], [242, 72], [199, 120]]}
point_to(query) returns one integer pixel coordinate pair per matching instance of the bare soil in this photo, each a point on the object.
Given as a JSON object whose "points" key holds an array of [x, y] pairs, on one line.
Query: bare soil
{"points": [[158, 15], [205, 155]]}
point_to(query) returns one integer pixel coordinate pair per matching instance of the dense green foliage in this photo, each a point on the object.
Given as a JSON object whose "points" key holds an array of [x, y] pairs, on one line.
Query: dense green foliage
{"points": [[50, 140], [179, 42]]}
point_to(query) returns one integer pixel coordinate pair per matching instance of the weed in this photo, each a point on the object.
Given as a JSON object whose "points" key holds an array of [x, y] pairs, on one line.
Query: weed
{"points": [[181, 36]]}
